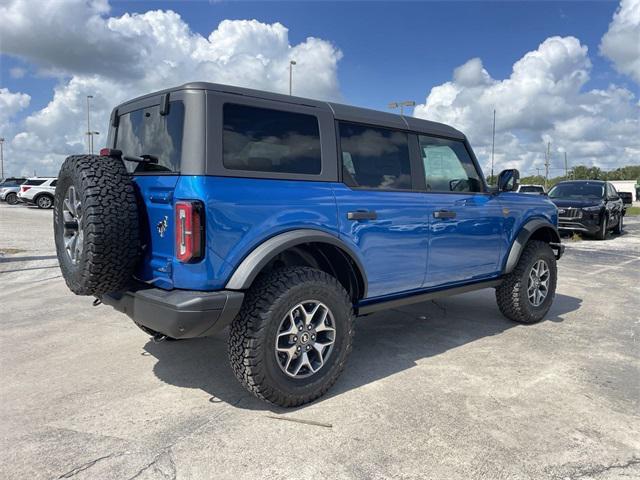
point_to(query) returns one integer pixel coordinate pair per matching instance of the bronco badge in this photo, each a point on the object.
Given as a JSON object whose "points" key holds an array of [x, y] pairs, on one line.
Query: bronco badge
{"points": [[162, 226]]}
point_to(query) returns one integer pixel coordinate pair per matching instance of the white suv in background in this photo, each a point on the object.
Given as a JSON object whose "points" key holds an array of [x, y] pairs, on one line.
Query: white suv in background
{"points": [[38, 191]]}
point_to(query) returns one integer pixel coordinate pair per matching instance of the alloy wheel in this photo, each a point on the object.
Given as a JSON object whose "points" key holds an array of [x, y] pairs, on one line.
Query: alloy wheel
{"points": [[44, 202], [73, 233], [305, 339], [538, 285]]}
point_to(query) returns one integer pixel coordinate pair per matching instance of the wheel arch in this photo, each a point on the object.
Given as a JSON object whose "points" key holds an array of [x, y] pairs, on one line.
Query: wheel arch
{"points": [[304, 247], [534, 229]]}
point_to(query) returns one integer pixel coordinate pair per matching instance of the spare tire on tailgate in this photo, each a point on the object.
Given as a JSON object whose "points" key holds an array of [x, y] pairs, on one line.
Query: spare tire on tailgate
{"points": [[96, 225]]}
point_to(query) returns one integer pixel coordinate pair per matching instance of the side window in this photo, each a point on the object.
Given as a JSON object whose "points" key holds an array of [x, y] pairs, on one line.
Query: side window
{"points": [[612, 190], [266, 140], [375, 157], [34, 182], [54, 183], [448, 166]]}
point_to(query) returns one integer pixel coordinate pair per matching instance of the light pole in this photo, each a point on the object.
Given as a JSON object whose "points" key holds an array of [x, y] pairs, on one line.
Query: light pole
{"points": [[405, 103], [2, 158], [90, 135], [291, 64], [89, 143], [493, 143]]}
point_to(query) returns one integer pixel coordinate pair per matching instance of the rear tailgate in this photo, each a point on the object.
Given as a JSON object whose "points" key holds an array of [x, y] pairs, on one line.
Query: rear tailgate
{"points": [[158, 234]]}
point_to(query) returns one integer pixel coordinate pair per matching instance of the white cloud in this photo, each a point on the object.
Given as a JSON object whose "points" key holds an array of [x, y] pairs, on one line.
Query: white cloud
{"points": [[621, 43], [542, 100], [117, 58], [10, 104]]}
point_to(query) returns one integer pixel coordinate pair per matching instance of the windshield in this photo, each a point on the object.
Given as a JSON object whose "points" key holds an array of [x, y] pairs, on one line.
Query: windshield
{"points": [[146, 132], [578, 190], [531, 189]]}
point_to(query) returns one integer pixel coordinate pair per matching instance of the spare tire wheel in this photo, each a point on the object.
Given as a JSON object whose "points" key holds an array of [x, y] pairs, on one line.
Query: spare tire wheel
{"points": [[96, 225]]}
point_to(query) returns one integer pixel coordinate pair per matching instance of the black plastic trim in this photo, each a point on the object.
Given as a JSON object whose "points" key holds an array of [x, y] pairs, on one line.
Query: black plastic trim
{"points": [[521, 240], [250, 267], [178, 313], [425, 296]]}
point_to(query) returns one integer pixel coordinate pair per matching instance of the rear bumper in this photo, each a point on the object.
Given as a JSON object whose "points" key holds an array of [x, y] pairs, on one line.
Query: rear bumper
{"points": [[178, 313]]}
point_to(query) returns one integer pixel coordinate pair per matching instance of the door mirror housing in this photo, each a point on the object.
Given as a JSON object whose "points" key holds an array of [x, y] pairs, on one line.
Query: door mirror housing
{"points": [[508, 180]]}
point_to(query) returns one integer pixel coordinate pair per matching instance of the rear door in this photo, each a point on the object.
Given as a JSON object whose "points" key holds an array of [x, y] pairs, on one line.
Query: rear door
{"points": [[466, 223], [380, 209], [142, 129]]}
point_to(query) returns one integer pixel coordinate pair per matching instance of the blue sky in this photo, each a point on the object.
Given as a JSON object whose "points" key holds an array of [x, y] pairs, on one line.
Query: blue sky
{"points": [[394, 53], [560, 72]]}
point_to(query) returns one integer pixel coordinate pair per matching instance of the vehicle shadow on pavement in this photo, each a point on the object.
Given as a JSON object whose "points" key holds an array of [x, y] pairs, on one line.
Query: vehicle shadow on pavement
{"points": [[385, 343]]}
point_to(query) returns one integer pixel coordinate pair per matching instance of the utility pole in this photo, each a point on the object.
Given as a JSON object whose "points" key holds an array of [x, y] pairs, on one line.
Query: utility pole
{"points": [[1, 158], [493, 143], [566, 168], [538, 170], [291, 64], [546, 165], [89, 142]]}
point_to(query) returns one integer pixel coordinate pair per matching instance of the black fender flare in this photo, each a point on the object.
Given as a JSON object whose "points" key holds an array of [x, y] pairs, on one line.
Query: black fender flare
{"points": [[244, 275], [527, 230]]}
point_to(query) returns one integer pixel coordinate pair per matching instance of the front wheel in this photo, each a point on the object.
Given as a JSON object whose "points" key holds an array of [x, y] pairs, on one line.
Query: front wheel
{"points": [[601, 234], [618, 228], [526, 294], [291, 339]]}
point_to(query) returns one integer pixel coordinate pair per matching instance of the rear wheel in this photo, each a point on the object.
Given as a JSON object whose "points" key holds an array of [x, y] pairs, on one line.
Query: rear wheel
{"points": [[44, 202], [526, 294], [11, 198], [290, 341]]}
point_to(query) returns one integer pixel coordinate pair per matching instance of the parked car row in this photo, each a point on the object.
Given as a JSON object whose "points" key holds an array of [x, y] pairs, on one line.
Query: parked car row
{"points": [[38, 191]]}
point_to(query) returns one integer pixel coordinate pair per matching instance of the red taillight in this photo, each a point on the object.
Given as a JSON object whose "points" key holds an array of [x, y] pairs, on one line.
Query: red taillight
{"points": [[24, 189], [189, 225]]}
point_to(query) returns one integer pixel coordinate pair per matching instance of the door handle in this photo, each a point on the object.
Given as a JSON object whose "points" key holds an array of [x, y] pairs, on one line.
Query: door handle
{"points": [[362, 215], [444, 214]]}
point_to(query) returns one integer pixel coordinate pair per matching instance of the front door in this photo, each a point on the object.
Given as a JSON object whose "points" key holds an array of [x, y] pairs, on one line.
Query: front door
{"points": [[380, 211], [466, 224]]}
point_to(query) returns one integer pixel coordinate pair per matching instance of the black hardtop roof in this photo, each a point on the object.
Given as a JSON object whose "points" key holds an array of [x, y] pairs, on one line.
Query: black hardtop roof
{"points": [[339, 111]]}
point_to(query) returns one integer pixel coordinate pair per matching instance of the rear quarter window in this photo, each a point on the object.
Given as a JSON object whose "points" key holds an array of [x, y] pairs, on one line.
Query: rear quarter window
{"points": [[146, 132], [267, 140], [34, 182]]}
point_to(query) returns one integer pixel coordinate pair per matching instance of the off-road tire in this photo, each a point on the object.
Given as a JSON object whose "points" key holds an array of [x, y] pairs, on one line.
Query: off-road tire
{"points": [[511, 295], [601, 234], [111, 243], [44, 201], [11, 198], [254, 330], [619, 226]]}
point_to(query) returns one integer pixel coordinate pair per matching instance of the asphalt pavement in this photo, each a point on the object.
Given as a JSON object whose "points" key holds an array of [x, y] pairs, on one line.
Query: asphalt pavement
{"points": [[448, 389]]}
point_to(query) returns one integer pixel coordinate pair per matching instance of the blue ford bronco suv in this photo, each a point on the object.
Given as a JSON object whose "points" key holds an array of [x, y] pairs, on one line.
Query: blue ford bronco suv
{"points": [[284, 219]]}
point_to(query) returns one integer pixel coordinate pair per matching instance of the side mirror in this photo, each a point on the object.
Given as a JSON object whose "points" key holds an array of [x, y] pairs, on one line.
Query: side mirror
{"points": [[508, 180]]}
